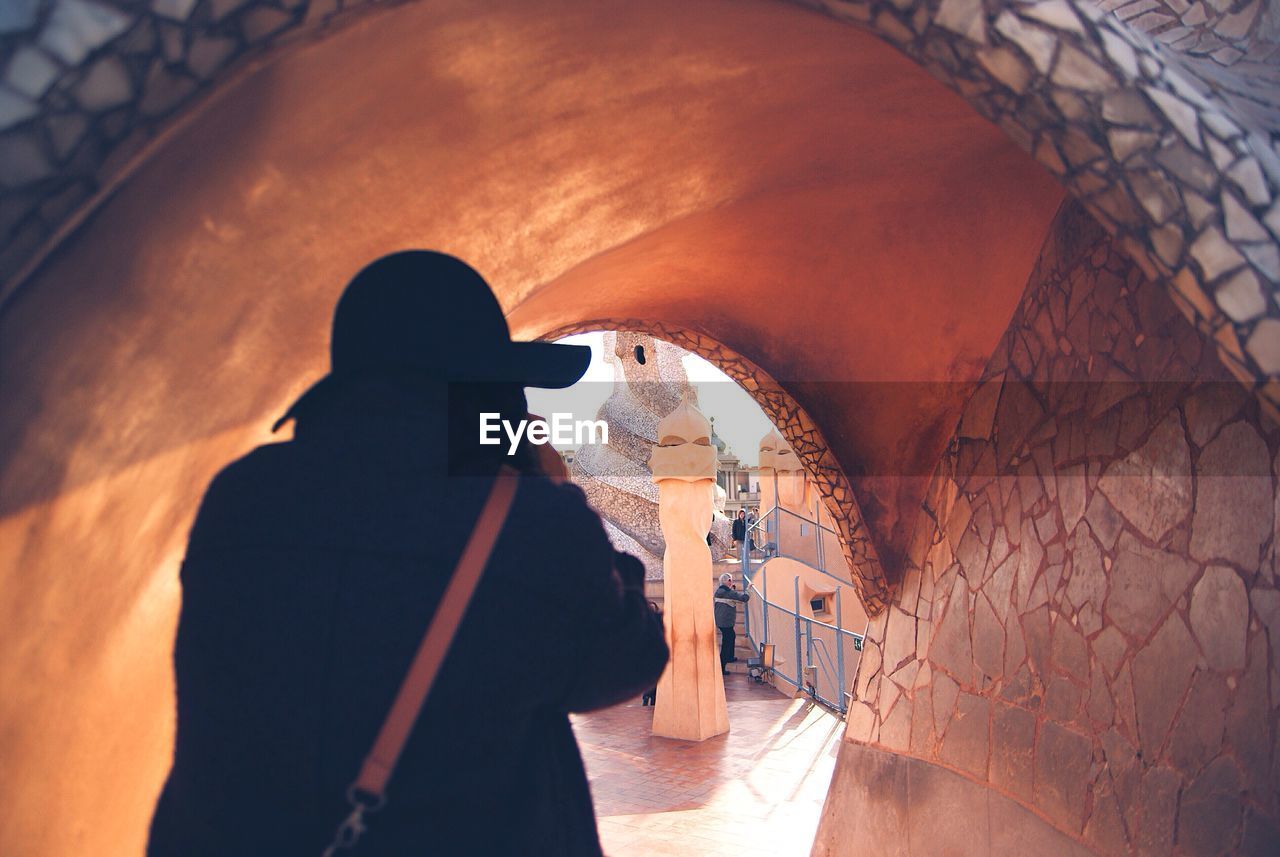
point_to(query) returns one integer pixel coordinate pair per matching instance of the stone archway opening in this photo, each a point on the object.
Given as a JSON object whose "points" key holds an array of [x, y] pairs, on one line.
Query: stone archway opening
{"points": [[796, 427], [803, 595]]}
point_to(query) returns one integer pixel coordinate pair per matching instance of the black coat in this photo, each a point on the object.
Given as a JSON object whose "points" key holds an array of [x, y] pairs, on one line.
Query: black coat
{"points": [[739, 529], [726, 609], [312, 571]]}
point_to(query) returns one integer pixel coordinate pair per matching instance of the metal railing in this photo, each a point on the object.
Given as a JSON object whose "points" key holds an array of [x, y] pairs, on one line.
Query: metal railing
{"points": [[813, 656], [766, 535]]}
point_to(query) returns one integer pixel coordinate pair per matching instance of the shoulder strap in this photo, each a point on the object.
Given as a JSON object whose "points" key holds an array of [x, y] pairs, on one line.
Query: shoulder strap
{"points": [[367, 792], [381, 761]]}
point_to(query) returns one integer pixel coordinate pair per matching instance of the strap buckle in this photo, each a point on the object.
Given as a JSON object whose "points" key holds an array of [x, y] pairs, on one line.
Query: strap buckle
{"points": [[353, 826]]}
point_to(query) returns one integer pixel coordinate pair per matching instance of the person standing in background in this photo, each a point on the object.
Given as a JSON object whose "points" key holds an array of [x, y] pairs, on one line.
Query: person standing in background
{"points": [[727, 600]]}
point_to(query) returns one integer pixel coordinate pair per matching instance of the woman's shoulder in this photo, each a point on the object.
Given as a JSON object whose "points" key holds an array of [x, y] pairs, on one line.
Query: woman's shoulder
{"points": [[555, 494], [561, 506]]}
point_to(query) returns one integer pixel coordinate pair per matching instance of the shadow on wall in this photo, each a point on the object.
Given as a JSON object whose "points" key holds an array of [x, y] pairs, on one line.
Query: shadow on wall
{"points": [[1084, 654]]}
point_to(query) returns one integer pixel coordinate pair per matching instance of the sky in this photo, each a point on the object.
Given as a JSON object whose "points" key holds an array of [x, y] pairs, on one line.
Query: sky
{"points": [[738, 419]]}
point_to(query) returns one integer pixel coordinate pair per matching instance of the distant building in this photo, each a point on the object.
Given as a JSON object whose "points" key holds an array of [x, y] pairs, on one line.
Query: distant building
{"points": [[740, 483]]}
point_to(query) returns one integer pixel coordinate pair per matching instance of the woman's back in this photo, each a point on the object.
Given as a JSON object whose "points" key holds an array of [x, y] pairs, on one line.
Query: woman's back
{"points": [[312, 572]]}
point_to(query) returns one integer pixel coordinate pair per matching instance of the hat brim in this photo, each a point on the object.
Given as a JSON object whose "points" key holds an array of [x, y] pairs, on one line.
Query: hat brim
{"points": [[549, 365]]}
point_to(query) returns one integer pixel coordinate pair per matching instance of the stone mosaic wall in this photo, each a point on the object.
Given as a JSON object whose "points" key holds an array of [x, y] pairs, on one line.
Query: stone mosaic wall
{"points": [[1085, 654], [1172, 149], [85, 85]]}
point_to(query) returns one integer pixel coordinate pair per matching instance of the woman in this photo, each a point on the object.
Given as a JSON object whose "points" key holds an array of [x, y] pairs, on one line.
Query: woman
{"points": [[313, 570]]}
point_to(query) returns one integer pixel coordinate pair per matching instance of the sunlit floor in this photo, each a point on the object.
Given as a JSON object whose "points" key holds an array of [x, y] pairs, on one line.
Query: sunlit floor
{"points": [[756, 791]]}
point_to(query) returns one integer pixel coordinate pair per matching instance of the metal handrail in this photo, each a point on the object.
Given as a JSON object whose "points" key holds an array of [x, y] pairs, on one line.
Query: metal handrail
{"points": [[822, 652], [838, 672], [822, 644], [778, 546], [807, 520]]}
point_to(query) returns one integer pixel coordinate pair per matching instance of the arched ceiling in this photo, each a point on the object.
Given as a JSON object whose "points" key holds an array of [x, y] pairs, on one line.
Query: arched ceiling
{"points": [[552, 89], [796, 190], [746, 171]]}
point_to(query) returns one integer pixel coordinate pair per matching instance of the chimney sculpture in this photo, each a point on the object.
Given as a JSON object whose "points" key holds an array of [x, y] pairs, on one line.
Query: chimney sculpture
{"points": [[690, 703], [777, 459], [785, 484]]}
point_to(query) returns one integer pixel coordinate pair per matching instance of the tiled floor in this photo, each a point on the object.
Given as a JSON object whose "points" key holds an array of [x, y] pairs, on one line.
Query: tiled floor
{"points": [[756, 791]]}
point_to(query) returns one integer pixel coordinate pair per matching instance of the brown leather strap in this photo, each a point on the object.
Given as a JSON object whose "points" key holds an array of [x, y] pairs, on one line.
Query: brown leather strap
{"points": [[381, 761]]}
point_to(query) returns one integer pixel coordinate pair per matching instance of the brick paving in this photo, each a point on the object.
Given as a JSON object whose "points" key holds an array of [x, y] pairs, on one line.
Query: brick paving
{"points": [[756, 791]]}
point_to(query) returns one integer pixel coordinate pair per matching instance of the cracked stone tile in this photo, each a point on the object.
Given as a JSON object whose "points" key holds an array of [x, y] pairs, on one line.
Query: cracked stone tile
{"points": [[15, 108], [1063, 758], [1247, 176], [1241, 225], [1150, 21], [1056, 14], [1167, 241], [1221, 156], [1121, 53], [1195, 15], [1145, 583], [1227, 56], [1189, 167], [105, 86], [22, 160], [66, 131], [1197, 736], [1264, 345], [1158, 196], [1218, 602], [78, 27], [1128, 108], [1181, 114], [258, 24], [1241, 297], [1233, 498], [965, 742], [32, 72], [1209, 811], [1132, 10], [207, 55], [894, 29], [163, 91], [18, 15], [1198, 209], [175, 10], [1266, 258], [1236, 26], [219, 9], [1162, 673], [1174, 36], [1077, 70], [1036, 43], [1215, 254], [1273, 220], [1151, 487], [1006, 67]]}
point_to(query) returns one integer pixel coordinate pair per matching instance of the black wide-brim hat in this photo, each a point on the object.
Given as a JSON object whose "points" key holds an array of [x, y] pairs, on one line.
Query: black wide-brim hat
{"points": [[418, 312]]}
